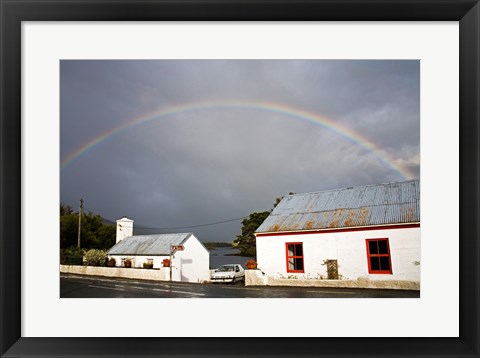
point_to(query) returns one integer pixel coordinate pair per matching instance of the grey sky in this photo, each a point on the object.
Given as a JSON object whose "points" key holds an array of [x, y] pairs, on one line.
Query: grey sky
{"points": [[218, 162]]}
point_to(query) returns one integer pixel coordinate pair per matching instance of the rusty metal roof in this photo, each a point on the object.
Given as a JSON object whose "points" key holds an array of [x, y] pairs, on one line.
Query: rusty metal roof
{"points": [[370, 205], [158, 244]]}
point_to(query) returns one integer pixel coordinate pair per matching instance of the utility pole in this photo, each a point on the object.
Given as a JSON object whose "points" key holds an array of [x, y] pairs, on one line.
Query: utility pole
{"points": [[80, 222]]}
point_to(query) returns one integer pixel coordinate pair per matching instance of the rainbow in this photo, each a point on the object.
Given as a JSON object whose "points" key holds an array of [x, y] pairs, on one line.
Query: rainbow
{"points": [[345, 132]]}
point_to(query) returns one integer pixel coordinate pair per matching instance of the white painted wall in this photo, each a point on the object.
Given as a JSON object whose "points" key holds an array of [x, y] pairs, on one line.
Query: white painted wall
{"points": [[349, 248], [124, 229], [137, 261], [193, 263], [190, 265], [162, 275]]}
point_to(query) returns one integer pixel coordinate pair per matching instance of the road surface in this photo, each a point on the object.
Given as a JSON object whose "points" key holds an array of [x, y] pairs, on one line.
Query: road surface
{"points": [[77, 286]]}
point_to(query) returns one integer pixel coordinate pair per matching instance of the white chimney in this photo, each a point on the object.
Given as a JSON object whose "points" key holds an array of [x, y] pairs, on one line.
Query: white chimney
{"points": [[124, 228]]}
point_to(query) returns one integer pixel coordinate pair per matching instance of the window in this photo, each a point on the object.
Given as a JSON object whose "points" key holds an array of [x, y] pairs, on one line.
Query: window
{"points": [[294, 257], [378, 255]]}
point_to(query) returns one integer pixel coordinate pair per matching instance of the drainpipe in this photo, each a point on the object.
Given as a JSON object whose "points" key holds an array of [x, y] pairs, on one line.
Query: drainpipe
{"points": [[171, 263]]}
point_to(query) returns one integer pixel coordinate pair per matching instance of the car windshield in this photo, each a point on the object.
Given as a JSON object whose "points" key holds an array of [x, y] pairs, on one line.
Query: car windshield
{"points": [[225, 268]]}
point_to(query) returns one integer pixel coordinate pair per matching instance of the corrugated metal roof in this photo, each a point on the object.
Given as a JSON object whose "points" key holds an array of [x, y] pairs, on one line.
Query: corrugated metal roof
{"points": [[379, 204], [148, 244]]}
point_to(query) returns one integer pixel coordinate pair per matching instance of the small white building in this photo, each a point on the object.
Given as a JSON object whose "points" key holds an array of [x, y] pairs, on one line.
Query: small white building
{"points": [[188, 265], [365, 233]]}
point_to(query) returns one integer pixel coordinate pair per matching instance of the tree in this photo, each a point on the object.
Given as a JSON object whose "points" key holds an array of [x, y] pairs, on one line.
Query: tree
{"points": [[68, 228], [65, 210], [246, 241], [106, 236], [91, 224], [94, 234]]}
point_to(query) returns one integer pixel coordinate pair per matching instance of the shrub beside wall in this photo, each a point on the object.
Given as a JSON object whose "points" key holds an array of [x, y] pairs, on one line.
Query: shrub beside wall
{"points": [[96, 257], [71, 256]]}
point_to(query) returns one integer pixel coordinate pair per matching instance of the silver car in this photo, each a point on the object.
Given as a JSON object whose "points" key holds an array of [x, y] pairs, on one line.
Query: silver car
{"points": [[229, 273]]}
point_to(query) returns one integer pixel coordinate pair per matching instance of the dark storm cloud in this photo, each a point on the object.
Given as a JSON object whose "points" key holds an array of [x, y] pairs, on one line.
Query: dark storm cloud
{"points": [[209, 165]]}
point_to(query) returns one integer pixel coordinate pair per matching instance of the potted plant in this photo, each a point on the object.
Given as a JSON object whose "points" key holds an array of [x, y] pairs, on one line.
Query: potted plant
{"points": [[127, 263], [251, 264], [111, 262], [148, 265], [166, 263]]}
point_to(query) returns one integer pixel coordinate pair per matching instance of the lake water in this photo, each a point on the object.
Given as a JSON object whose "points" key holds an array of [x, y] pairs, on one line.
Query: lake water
{"points": [[221, 256]]}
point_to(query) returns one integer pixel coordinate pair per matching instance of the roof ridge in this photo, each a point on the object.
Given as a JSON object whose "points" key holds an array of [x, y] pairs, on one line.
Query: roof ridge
{"points": [[353, 187], [171, 233]]}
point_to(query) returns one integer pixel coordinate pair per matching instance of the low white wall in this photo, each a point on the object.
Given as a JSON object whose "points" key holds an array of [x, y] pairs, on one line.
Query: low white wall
{"points": [[163, 274], [256, 278]]}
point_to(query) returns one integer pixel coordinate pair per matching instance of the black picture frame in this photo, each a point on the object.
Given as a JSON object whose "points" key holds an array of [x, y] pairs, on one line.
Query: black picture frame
{"points": [[13, 12]]}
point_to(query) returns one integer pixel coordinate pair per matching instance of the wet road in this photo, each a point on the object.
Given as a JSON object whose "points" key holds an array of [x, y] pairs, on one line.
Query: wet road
{"points": [[77, 286]]}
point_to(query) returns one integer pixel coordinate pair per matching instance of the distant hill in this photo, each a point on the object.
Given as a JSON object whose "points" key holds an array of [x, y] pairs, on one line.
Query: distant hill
{"points": [[214, 245], [108, 222], [142, 230], [137, 229]]}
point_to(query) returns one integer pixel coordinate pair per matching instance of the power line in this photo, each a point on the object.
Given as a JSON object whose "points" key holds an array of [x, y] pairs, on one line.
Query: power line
{"points": [[192, 226], [140, 227]]}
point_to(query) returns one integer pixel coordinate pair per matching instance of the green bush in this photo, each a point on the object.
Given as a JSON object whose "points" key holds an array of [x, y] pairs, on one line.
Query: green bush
{"points": [[72, 251], [71, 255], [95, 257]]}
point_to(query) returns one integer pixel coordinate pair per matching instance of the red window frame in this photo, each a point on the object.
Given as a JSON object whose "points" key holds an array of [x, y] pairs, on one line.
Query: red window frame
{"points": [[295, 257], [379, 255]]}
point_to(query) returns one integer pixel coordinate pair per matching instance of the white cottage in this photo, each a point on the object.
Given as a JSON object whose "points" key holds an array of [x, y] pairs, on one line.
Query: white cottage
{"points": [[188, 265], [362, 234]]}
